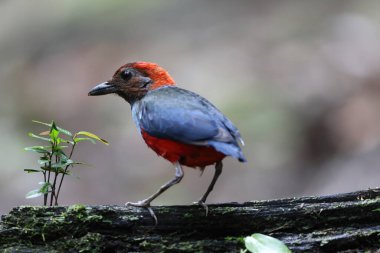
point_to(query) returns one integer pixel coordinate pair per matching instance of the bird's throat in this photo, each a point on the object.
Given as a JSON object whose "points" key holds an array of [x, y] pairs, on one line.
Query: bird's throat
{"points": [[132, 97]]}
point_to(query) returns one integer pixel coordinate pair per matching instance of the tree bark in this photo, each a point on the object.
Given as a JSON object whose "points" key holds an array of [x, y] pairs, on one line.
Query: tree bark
{"points": [[338, 223]]}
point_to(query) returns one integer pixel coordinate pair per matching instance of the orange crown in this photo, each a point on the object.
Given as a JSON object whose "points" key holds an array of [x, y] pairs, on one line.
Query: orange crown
{"points": [[159, 75]]}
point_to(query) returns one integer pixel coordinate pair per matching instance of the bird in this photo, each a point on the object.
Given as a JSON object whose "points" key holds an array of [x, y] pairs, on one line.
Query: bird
{"points": [[179, 125]]}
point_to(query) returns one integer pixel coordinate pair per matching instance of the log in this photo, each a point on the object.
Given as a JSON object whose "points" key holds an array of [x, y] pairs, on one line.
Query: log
{"points": [[347, 222]]}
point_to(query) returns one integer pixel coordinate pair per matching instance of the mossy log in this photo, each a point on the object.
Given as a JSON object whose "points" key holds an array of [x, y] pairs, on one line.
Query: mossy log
{"points": [[339, 223]]}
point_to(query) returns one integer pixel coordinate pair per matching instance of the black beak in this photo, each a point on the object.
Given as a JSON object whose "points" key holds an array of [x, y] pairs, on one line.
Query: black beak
{"points": [[102, 89]]}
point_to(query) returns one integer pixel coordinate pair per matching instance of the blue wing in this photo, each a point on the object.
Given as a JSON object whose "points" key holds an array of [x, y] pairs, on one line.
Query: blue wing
{"points": [[181, 115]]}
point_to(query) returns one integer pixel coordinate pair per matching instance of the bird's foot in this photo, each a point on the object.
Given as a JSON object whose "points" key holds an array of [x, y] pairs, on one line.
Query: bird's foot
{"points": [[144, 204], [203, 204]]}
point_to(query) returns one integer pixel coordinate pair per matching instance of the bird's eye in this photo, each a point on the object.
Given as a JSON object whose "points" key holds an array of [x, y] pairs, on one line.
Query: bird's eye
{"points": [[126, 74]]}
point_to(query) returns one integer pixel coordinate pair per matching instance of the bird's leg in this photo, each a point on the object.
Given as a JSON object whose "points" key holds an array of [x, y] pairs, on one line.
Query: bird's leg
{"points": [[218, 171], [146, 202]]}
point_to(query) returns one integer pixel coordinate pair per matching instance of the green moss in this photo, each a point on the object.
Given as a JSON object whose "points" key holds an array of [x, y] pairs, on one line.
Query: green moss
{"points": [[152, 246], [81, 213], [163, 209], [188, 215], [239, 239], [76, 208], [174, 246], [40, 225], [29, 249], [130, 217], [224, 210], [32, 223], [368, 202], [90, 242], [190, 246], [145, 244]]}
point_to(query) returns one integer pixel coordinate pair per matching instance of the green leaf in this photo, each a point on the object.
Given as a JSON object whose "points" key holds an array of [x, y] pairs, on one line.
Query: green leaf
{"points": [[67, 141], [43, 161], [39, 137], [47, 168], [91, 135], [33, 194], [54, 132], [38, 149], [31, 170], [376, 210], [62, 171], [64, 131], [54, 170], [259, 243], [56, 166], [57, 147], [42, 123], [39, 192], [62, 164], [76, 140], [45, 187], [80, 163], [60, 154], [60, 147]]}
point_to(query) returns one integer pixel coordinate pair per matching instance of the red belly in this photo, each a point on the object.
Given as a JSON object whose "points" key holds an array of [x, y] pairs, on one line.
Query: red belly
{"points": [[186, 154]]}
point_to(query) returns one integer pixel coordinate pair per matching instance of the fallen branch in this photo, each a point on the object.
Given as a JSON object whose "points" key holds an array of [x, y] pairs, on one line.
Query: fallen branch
{"points": [[344, 222]]}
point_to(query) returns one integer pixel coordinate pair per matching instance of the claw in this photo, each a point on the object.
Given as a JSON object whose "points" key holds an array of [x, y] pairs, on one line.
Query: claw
{"points": [[144, 204], [203, 204], [151, 212], [218, 171]]}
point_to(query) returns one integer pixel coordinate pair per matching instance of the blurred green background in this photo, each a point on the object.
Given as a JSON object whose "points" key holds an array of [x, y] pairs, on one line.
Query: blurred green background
{"points": [[300, 79]]}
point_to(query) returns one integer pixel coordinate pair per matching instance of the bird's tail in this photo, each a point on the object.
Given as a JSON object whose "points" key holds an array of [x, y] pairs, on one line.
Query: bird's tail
{"points": [[230, 149]]}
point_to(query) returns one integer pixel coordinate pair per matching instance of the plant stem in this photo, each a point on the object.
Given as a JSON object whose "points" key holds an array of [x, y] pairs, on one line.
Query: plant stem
{"points": [[53, 195], [48, 177], [64, 173], [56, 173], [45, 195]]}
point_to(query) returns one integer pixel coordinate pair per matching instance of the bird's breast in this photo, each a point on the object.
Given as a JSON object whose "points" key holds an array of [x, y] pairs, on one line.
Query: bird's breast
{"points": [[136, 113]]}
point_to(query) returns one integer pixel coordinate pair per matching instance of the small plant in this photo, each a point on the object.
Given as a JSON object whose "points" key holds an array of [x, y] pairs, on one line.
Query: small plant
{"points": [[54, 163], [259, 243]]}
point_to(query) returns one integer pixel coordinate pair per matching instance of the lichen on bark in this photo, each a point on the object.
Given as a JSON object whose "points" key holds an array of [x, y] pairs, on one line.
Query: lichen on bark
{"points": [[337, 223]]}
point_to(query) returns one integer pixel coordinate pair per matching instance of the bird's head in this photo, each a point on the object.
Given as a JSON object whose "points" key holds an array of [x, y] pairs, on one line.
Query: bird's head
{"points": [[133, 80]]}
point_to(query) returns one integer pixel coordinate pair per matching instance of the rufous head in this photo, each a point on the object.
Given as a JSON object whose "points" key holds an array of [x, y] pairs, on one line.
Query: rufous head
{"points": [[133, 80]]}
